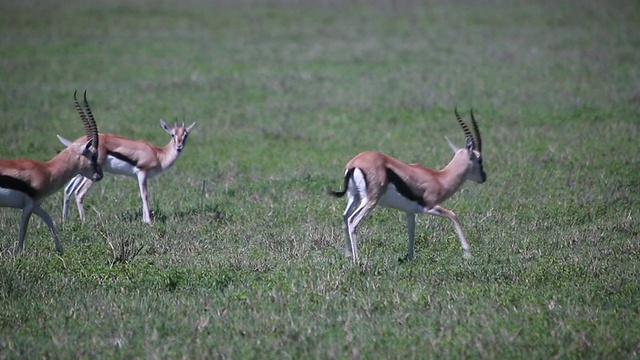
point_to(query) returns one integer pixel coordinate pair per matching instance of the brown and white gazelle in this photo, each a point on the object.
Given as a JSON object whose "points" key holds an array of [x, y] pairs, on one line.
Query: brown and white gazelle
{"points": [[25, 183], [373, 178], [135, 158]]}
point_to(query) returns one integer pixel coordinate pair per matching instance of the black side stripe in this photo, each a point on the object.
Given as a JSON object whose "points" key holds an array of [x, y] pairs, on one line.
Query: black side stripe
{"points": [[403, 188], [9, 182], [124, 158]]}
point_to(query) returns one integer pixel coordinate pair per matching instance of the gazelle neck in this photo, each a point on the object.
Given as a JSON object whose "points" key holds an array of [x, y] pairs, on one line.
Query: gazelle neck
{"points": [[455, 173], [168, 155], [62, 168]]}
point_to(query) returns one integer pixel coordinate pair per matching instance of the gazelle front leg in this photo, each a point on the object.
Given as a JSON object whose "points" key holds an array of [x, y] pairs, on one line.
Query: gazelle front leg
{"points": [[26, 215], [411, 231], [78, 186], [142, 184], [83, 187], [442, 212]]}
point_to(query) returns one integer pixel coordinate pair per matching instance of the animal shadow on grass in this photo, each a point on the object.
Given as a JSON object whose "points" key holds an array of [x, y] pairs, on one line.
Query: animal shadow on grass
{"points": [[213, 212]]}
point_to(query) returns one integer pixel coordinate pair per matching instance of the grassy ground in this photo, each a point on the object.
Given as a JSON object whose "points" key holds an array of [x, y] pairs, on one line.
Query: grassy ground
{"points": [[244, 259]]}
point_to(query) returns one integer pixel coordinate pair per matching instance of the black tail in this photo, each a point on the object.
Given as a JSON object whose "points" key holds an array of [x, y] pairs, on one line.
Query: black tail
{"points": [[347, 177]]}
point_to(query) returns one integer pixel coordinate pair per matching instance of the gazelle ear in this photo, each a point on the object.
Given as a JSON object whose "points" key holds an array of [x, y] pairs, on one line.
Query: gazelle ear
{"points": [[64, 141], [190, 127], [451, 145], [88, 146], [165, 126]]}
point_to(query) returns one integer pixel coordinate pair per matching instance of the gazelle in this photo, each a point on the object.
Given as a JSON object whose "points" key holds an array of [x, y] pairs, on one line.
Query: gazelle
{"points": [[25, 183], [373, 178], [135, 158]]}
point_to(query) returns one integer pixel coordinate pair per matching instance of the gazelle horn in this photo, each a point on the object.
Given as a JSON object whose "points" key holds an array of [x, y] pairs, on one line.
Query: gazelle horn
{"points": [[478, 141], [467, 132], [90, 127]]}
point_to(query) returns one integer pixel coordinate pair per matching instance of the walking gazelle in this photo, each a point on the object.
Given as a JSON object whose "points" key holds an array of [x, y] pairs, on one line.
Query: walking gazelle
{"points": [[25, 183], [373, 178], [135, 158]]}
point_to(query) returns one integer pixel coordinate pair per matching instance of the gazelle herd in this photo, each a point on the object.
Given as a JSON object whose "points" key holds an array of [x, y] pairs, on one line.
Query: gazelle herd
{"points": [[370, 179]]}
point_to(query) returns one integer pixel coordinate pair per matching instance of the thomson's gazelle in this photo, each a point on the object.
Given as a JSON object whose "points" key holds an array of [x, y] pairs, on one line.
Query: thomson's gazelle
{"points": [[373, 178], [135, 158], [25, 183]]}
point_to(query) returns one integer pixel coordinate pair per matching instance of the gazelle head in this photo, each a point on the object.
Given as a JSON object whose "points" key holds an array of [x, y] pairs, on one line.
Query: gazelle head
{"points": [[178, 134], [89, 166], [473, 147]]}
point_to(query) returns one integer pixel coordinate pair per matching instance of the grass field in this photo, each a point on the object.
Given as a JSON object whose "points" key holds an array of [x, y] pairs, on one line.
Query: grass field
{"points": [[244, 258]]}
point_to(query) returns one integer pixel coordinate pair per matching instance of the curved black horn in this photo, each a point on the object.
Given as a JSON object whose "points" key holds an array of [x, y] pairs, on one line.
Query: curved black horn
{"points": [[478, 141], [90, 127], [467, 132], [83, 116]]}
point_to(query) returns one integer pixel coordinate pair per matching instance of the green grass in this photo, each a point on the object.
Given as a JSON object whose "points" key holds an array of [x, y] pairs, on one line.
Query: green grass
{"points": [[244, 259]]}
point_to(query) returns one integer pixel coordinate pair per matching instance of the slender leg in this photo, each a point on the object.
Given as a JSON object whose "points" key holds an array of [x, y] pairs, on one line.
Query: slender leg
{"points": [[47, 219], [142, 183], [411, 229], [71, 187], [440, 211], [355, 219], [351, 205], [26, 215], [83, 187], [65, 200]]}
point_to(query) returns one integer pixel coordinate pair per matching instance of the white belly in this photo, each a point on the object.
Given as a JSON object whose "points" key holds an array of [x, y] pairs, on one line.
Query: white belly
{"points": [[117, 166], [393, 199], [12, 198]]}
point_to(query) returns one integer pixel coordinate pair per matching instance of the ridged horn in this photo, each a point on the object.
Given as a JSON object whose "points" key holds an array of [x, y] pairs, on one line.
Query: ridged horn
{"points": [[90, 127], [467, 132], [83, 116], [478, 141]]}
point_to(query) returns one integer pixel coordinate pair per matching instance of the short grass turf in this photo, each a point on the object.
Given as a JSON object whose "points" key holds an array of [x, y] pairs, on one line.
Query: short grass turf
{"points": [[244, 258]]}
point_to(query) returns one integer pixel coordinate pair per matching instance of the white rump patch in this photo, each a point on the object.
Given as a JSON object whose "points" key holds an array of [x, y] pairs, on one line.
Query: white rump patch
{"points": [[358, 185]]}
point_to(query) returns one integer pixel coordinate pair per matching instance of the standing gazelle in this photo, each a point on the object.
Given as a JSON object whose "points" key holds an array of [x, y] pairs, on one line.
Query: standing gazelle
{"points": [[373, 178], [135, 158], [25, 183]]}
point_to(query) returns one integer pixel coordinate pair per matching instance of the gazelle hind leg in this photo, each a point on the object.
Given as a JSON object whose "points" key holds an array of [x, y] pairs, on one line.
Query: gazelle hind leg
{"points": [[354, 221], [440, 211], [357, 190], [47, 219], [351, 206]]}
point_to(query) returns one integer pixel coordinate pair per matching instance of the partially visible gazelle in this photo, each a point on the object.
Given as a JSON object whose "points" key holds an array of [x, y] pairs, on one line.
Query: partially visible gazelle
{"points": [[25, 183], [373, 178], [135, 158]]}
